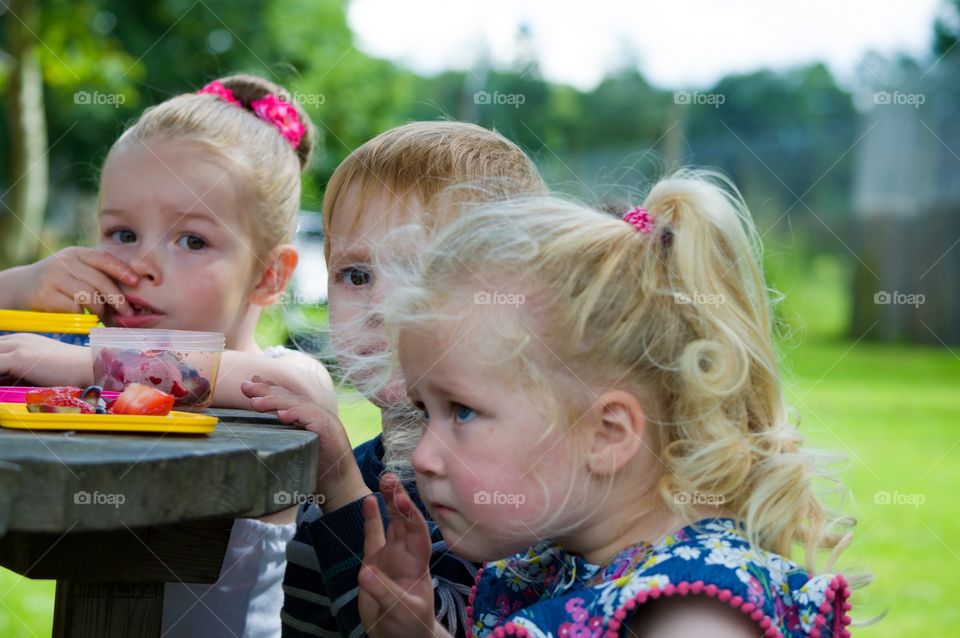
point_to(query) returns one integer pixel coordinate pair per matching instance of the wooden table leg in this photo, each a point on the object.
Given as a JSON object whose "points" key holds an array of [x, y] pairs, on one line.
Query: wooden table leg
{"points": [[107, 610]]}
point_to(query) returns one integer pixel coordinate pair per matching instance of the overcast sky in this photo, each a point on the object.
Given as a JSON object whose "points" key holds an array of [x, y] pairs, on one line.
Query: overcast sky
{"points": [[677, 43]]}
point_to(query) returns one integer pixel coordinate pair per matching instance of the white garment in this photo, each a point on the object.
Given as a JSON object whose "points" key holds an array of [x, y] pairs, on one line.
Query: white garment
{"points": [[275, 352], [245, 602]]}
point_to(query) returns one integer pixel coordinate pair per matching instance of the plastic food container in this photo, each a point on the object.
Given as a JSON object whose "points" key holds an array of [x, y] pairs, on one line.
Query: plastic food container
{"points": [[66, 327], [179, 362]]}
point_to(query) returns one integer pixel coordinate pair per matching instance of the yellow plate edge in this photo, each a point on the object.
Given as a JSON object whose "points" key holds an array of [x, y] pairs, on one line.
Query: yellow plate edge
{"points": [[15, 415]]}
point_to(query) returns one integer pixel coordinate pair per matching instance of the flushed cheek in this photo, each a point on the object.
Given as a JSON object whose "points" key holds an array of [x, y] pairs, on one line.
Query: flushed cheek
{"points": [[509, 502], [211, 293]]}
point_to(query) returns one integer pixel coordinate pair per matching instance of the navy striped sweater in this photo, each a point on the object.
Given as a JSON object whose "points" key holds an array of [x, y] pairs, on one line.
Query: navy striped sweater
{"points": [[324, 558]]}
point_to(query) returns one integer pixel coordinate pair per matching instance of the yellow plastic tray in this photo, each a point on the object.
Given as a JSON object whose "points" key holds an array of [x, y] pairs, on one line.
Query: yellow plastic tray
{"points": [[53, 322], [15, 415]]}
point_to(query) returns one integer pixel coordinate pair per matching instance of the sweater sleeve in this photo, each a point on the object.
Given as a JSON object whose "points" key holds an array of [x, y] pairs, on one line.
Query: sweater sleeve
{"points": [[321, 591], [338, 540], [323, 564]]}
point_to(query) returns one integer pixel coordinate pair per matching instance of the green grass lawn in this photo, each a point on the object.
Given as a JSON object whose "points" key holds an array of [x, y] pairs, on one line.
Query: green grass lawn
{"points": [[894, 410]]}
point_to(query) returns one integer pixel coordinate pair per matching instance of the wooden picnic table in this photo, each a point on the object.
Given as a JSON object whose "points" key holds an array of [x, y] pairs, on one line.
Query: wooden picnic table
{"points": [[113, 517]]}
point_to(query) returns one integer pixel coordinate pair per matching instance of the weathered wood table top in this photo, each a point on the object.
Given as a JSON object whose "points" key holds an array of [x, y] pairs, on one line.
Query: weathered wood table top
{"points": [[112, 517]]}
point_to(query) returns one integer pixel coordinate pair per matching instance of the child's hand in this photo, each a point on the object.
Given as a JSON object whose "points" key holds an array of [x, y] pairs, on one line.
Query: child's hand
{"points": [[70, 280], [396, 591], [339, 480], [37, 360]]}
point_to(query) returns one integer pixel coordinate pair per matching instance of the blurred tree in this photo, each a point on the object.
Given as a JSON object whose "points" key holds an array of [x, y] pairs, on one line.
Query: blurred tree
{"points": [[350, 95], [782, 136], [946, 28], [47, 43], [28, 134]]}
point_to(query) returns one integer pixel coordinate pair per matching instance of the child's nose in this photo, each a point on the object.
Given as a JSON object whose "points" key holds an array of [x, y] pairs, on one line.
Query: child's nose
{"points": [[373, 320], [145, 265], [426, 458]]}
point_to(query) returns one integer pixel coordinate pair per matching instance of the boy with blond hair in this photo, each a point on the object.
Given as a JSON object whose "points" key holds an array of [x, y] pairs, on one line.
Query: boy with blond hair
{"points": [[418, 174]]}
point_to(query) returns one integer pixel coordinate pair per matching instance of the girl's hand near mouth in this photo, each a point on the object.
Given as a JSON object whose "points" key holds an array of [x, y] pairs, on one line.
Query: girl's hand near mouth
{"points": [[70, 280]]}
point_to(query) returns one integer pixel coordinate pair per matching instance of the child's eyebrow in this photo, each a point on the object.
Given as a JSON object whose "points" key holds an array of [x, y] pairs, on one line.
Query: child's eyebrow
{"points": [[195, 215], [176, 214], [356, 255], [112, 211], [446, 387]]}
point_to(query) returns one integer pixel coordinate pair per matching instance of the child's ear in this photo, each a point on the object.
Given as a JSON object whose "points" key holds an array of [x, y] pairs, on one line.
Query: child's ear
{"points": [[278, 268], [616, 428]]}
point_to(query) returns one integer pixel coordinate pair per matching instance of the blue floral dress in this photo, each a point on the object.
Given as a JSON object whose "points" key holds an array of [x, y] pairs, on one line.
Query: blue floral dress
{"points": [[550, 593]]}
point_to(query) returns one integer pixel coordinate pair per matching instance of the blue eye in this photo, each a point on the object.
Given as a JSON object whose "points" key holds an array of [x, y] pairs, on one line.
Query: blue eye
{"points": [[191, 242], [124, 236], [464, 414], [354, 277], [424, 415]]}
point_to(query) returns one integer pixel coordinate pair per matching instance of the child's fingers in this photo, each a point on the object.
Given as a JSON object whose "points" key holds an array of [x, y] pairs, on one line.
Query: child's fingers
{"points": [[76, 294], [311, 417], [389, 595], [373, 534], [95, 291], [407, 525], [104, 262], [256, 386], [274, 402], [399, 503]]}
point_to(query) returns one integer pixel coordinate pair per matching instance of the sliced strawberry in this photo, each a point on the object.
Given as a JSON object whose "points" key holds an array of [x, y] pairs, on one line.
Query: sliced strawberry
{"points": [[140, 399], [46, 395], [62, 403]]}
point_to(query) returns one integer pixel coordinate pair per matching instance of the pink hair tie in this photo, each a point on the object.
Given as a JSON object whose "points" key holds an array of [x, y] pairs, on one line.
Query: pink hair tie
{"points": [[281, 114], [269, 108], [217, 88], [640, 219]]}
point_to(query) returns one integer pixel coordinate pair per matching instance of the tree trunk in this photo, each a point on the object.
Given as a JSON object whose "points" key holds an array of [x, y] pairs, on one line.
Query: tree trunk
{"points": [[29, 168]]}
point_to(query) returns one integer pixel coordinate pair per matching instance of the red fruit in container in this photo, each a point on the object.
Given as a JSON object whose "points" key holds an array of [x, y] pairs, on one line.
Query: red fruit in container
{"points": [[143, 400], [182, 363], [109, 370]]}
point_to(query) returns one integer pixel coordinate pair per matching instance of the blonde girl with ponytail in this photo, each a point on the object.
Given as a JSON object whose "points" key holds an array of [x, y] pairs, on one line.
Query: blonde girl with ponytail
{"points": [[605, 428], [197, 211]]}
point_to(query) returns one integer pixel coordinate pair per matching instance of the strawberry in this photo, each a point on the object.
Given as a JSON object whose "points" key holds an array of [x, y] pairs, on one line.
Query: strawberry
{"points": [[140, 399], [59, 399], [45, 394]]}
